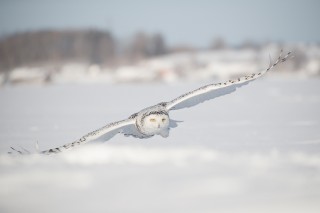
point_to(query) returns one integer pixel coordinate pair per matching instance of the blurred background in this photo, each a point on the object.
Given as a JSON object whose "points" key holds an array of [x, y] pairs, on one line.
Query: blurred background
{"points": [[68, 67], [142, 41]]}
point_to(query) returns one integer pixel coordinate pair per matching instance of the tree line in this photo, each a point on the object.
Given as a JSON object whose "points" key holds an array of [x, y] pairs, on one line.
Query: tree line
{"points": [[89, 46]]}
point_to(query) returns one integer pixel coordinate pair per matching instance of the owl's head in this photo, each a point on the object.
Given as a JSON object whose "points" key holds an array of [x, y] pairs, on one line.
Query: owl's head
{"points": [[156, 122]]}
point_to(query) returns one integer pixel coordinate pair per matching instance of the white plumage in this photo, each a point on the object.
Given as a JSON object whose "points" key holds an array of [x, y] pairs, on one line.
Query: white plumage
{"points": [[155, 120]]}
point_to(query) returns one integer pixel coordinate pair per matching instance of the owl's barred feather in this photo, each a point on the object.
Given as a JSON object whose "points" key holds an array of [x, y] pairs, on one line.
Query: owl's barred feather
{"points": [[211, 91], [155, 120]]}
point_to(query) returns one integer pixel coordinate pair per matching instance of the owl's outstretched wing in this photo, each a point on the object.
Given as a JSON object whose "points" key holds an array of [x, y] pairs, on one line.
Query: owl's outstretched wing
{"points": [[215, 90], [125, 126]]}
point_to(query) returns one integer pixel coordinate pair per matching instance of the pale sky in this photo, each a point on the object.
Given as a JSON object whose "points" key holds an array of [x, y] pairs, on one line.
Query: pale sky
{"points": [[194, 22]]}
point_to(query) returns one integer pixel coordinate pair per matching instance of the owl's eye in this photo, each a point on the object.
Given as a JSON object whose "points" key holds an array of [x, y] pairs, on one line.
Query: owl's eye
{"points": [[163, 119], [152, 120]]}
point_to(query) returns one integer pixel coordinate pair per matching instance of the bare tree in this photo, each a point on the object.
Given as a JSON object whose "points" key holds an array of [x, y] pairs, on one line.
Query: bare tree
{"points": [[91, 46], [218, 44]]}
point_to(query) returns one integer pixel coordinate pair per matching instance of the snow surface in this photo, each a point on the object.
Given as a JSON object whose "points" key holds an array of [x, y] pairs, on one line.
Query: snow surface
{"points": [[256, 150], [176, 67]]}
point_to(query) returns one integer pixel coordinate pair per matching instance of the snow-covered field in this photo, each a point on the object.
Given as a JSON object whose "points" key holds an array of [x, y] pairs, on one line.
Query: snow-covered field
{"points": [[172, 68], [256, 150]]}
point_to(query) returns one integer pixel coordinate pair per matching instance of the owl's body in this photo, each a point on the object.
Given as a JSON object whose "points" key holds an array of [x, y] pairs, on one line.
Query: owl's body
{"points": [[152, 121], [155, 120]]}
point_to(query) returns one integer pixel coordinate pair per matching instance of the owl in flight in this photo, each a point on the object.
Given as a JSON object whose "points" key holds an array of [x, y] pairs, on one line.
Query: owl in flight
{"points": [[155, 120]]}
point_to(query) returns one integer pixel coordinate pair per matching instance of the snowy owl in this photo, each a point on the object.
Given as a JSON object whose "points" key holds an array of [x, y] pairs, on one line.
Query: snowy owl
{"points": [[155, 120]]}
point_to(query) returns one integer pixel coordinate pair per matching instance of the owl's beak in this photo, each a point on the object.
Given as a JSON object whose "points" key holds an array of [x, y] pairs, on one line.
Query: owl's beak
{"points": [[158, 126]]}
